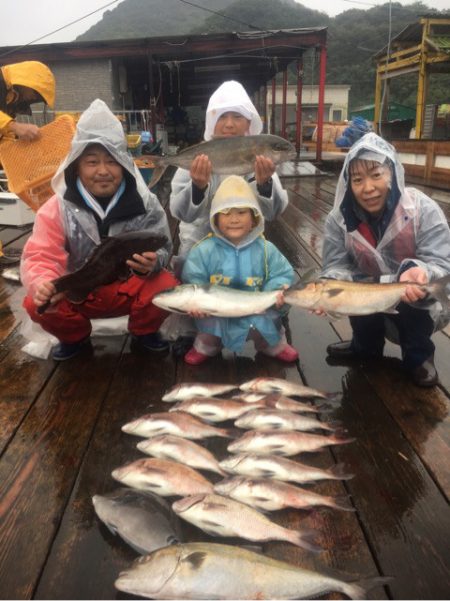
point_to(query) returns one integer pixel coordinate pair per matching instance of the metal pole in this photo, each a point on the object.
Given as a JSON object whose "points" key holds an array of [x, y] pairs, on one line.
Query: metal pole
{"points": [[323, 64], [283, 106], [298, 125]]}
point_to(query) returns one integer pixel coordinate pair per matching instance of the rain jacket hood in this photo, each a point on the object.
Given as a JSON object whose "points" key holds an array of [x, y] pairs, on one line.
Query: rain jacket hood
{"points": [[98, 125], [235, 192], [31, 74], [231, 96]]}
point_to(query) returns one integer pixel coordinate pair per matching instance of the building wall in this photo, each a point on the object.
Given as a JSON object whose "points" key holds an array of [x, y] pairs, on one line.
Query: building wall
{"points": [[336, 101], [78, 83]]}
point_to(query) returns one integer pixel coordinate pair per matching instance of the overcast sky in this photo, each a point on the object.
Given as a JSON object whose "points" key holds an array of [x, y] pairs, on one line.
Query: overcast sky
{"points": [[24, 21]]}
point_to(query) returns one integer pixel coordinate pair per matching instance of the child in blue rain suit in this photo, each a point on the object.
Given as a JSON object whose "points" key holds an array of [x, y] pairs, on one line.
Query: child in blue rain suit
{"points": [[237, 255]]}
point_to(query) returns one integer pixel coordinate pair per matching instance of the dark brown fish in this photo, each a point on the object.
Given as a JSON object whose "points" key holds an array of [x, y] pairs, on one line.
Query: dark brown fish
{"points": [[106, 264]]}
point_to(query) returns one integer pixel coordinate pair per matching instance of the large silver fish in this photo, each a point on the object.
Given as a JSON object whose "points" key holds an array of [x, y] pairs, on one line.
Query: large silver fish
{"points": [[142, 519], [281, 468], [178, 423], [163, 477], [219, 301], [275, 419], [272, 442], [339, 298], [214, 571], [234, 155], [268, 385], [189, 390], [271, 495], [182, 450], [221, 516]]}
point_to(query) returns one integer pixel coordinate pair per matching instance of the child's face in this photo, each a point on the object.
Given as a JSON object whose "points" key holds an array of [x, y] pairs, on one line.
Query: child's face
{"points": [[231, 124], [236, 224]]}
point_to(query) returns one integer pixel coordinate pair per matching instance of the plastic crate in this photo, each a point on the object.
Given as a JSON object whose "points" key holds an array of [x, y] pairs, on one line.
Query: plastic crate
{"points": [[30, 166]]}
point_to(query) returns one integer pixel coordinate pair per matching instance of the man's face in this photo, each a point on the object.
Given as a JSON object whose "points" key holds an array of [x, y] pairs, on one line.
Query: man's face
{"points": [[99, 172], [231, 124], [370, 184]]}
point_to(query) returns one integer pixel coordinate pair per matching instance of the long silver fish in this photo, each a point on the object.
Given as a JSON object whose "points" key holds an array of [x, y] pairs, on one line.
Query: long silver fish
{"points": [[182, 450], [178, 423], [163, 477], [281, 468], [275, 419], [221, 516], [285, 387], [229, 156], [271, 495], [339, 298], [273, 442], [215, 410], [214, 571], [219, 301], [189, 390], [142, 519]]}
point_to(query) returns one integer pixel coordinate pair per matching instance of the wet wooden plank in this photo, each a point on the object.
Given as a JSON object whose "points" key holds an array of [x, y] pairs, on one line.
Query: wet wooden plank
{"points": [[22, 380], [403, 513], [92, 556], [40, 465]]}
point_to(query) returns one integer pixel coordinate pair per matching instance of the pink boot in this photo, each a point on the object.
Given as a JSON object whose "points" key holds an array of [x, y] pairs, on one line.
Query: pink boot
{"points": [[288, 354], [193, 357]]}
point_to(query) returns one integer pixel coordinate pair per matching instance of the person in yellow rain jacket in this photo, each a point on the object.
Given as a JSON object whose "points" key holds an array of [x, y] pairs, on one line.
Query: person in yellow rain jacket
{"points": [[22, 84]]}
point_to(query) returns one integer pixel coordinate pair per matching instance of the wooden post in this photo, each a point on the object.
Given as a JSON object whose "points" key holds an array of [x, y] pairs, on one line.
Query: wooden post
{"points": [[283, 106], [323, 65], [298, 125], [423, 80], [273, 112]]}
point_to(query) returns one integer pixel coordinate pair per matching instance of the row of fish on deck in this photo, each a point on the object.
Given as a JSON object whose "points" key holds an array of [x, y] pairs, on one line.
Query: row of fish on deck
{"points": [[258, 477]]}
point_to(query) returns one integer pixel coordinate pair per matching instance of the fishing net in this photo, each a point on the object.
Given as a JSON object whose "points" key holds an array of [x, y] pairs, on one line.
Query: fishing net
{"points": [[30, 166]]}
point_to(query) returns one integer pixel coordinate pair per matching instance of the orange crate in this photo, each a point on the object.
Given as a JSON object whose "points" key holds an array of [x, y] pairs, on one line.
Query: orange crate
{"points": [[30, 166]]}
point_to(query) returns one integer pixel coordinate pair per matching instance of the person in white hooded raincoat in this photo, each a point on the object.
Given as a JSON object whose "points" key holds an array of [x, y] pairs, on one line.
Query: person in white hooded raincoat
{"points": [[99, 192], [230, 112], [237, 255], [379, 230]]}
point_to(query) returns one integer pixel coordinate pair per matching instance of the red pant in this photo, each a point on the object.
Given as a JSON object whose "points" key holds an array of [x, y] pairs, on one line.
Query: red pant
{"points": [[70, 322]]}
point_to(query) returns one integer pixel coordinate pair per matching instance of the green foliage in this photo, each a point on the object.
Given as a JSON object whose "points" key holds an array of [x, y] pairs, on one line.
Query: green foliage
{"points": [[354, 36]]}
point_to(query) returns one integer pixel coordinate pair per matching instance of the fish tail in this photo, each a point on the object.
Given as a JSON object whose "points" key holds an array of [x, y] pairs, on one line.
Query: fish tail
{"points": [[156, 175], [306, 539], [360, 588], [439, 293], [340, 472], [341, 502], [228, 432]]}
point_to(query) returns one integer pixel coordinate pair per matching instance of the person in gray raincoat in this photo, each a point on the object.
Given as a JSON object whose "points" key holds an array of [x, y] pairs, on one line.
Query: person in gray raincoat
{"points": [[378, 230], [99, 192]]}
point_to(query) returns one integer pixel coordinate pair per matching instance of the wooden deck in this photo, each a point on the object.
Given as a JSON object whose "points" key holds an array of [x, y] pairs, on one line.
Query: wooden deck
{"points": [[60, 438]]}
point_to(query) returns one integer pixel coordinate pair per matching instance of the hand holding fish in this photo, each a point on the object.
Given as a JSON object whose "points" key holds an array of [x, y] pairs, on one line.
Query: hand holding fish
{"points": [[264, 169], [143, 264], [414, 293], [201, 169], [46, 292]]}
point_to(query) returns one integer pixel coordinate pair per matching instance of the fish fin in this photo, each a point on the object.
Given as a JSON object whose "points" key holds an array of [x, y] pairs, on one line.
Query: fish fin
{"points": [[332, 316], [123, 272], [359, 588], [156, 176], [391, 311], [307, 539], [342, 502], [196, 559]]}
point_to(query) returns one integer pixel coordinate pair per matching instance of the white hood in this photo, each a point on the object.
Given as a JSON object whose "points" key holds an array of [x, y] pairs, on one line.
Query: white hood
{"points": [[231, 96]]}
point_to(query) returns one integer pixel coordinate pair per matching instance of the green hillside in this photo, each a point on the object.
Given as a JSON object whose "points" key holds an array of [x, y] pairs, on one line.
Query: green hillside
{"points": [[354, 36]]}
